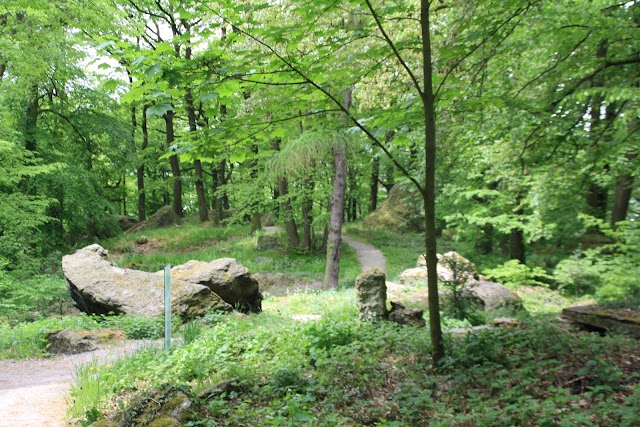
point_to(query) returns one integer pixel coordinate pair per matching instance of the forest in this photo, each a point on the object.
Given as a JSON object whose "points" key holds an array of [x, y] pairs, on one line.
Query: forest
{"points": [[512, 128]]}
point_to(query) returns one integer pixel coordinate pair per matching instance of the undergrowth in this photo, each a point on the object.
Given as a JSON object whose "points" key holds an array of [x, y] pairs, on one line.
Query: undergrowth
{"points": [[336, 371]]}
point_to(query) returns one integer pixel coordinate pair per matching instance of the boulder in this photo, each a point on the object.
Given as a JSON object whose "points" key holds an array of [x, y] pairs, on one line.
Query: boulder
{"points": [[80, 341], [452, 265], [161, 218], [98, 286], [491, 295], [371, 295], [623, 321], [402, 210], [125, 222], [227, 278], [167, 406], [406, 316], [268, 242]]}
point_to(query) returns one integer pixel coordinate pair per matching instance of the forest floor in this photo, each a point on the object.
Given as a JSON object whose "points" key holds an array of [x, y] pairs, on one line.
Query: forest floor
{"points": [[34, 392]]}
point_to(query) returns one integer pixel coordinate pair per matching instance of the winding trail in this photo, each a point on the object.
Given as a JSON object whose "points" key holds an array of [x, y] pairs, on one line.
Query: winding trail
{"points": [[368, 256], [34, 392]]}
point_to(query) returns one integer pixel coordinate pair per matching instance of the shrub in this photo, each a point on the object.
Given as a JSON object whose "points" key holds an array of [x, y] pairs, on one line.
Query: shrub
{"points": [[513, 273]]}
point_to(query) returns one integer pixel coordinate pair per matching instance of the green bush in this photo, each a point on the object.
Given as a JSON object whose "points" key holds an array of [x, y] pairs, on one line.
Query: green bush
{"points": [[513, 273], [577, 276]]}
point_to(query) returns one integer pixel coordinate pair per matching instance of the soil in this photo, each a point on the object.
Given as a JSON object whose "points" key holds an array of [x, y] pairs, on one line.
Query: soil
{"points": [[34, 392]]}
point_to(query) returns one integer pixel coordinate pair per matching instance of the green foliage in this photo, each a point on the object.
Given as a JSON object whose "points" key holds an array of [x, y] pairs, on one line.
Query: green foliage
{"points": [[24, 298], [140, 327], [513, 273], [577, 276], [87, 397]]}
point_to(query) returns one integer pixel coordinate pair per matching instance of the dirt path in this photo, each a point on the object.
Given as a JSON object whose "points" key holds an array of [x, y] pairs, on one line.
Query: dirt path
{"points": [[368, 256], [33, 392]]}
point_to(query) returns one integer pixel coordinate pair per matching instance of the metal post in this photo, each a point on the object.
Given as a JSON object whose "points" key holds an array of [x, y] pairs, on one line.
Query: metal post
{"points": [[167, 307]]}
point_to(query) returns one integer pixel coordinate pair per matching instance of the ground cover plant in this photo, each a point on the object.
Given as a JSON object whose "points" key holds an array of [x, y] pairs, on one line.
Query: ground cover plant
{"points": [[291, 370]]}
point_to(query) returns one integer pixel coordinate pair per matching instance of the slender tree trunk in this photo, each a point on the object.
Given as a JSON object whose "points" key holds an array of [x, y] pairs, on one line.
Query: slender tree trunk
{"points": [[142, 196], [175, 165], [516, 245], [197, 164], [216, 206], [31, 122], [373, 183], [285, 211], [352, 206], [307, 218], [256, 224], [428, 101], [334, 238]]}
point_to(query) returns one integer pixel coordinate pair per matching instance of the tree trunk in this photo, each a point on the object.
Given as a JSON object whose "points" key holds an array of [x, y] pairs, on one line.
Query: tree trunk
{"points": [[516, 245], [334, 238], [31, 122], [597, 201], [373, 183], [624, 187], [254, 206], [142, 197], [215, 199], [197, 164], [428, 193], [283, 209], [307, 207], [287, 213], [175, 165], [352, 206]]}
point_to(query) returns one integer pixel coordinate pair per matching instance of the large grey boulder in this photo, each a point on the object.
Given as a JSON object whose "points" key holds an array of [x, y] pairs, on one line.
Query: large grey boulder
{"points": [[227, 278], [451, 266], [98, 286], [371, 295], [491, 295]]}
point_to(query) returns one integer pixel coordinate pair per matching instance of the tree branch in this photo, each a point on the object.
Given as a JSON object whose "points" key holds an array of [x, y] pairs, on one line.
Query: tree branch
{"points": [[393, 48]]}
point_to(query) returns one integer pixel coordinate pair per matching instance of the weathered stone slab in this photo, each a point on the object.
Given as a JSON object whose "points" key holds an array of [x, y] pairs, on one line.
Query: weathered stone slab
{"points": [[371, 295], [98, 286], [227, 278], [622, 321]]}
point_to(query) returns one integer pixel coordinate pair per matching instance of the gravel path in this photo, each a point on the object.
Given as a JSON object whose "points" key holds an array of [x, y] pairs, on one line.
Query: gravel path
{"points": [[368, 256], [33, 392]]}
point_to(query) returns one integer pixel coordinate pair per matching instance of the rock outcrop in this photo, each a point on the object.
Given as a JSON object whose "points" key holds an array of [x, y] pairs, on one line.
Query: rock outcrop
{"points": [[227, 278], [491, 295], [371, 295], [80, 341], [406, 316], [98, 286], [622, 321], [161, 218], [455, 269], [402, 210], [165, 407]]}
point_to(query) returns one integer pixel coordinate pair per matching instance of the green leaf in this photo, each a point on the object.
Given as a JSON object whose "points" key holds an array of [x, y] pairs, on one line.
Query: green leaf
{"points": [[159, 110]]}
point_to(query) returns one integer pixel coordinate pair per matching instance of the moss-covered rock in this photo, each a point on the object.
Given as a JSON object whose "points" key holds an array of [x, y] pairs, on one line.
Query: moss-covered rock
{"points": [[402, 211], [167, 406]]}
